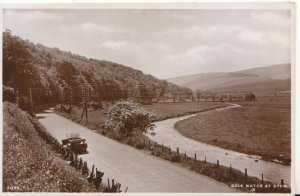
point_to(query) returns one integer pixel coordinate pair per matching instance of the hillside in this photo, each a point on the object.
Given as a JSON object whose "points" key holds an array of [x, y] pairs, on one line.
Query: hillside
{"points": [[55, 75], [29, 163], [263, 79]]}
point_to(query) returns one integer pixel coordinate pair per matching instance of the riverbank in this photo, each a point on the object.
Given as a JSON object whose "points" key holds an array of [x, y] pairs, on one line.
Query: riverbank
{"points": [[134, 168], [164, 133], [165, 111], [223, 174], [260, 128]]}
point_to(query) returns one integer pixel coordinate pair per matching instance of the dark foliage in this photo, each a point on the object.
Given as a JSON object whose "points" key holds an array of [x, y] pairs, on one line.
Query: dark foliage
{"points": [[58, 76]]}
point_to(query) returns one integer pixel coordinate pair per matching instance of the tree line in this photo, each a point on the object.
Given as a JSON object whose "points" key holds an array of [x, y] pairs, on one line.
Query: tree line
{"points": [[202, 95], [44, 75]]}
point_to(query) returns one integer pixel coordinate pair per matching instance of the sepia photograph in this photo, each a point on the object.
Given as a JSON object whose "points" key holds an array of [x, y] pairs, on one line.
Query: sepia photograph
{"points": [[170, 98]]}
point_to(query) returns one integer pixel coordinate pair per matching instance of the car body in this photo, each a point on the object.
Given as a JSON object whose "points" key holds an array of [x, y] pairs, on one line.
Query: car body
{"points": [[75, 143]]}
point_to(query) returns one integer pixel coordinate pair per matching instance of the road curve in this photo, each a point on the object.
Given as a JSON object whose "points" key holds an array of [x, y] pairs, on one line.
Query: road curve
{"points": [[130, 167]]}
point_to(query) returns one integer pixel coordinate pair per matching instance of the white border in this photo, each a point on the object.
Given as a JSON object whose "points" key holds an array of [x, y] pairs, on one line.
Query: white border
{"points": [[182, 4]]}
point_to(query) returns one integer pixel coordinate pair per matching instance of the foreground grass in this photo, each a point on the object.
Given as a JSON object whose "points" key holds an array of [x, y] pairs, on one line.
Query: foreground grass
{"points": [[29, 164], [261, 128], [230, 176]]}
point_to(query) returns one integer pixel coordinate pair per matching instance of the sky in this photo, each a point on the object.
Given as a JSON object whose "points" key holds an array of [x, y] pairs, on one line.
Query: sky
{"points": [[164, 43]]}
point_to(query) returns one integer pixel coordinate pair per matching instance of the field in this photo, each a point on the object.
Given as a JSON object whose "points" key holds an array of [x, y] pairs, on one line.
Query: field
{"points": [[262, 127], [170, 110], [96, 118], [219, 173]]}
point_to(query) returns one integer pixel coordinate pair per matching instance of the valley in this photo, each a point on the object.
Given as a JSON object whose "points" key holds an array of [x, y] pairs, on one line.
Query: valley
{"points": [[261, 127]]}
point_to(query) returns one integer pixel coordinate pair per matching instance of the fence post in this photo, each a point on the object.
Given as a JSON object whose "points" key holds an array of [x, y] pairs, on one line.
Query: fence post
{"points": [[262, 178], [246, 176], [108, 185], [169, 150], [178, 152], [217, 163], [230, 168], [185, 154], [282, 182], [162, 147], [195, 159], [205, 159]]}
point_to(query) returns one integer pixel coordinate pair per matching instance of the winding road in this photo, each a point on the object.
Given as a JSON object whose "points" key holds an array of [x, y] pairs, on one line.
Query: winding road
{"points": [[132, 168]]}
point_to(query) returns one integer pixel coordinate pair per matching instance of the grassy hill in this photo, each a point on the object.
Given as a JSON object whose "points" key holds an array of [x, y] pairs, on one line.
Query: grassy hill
{"points": [[29, 163], [263, 79], [53, 74]]}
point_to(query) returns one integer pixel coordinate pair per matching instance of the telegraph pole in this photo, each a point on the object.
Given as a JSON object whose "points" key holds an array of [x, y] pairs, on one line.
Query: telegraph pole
{"points": [[85, 96], [30, 98]]}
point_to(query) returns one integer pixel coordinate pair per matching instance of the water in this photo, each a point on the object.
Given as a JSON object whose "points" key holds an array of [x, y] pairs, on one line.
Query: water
{"points": [[166, 134]]}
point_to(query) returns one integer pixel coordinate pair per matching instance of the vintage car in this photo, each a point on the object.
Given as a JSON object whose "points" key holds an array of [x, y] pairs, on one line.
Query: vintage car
{"points": [[75, 143]]}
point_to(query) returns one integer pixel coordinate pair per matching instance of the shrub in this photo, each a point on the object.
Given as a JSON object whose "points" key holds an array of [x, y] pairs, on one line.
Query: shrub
{"points": [[129, 118], [140, 146], [175, 158], [9, 94]]}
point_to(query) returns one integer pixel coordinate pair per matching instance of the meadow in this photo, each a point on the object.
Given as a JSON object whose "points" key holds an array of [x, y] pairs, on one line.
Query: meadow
{"points": [[167, 110], [261, 127], [96, 118]]}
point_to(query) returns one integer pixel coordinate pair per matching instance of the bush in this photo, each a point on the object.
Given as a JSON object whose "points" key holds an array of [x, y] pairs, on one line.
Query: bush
{"points": [[175, 158], [140, 146], [9, 94], [129, 118]]}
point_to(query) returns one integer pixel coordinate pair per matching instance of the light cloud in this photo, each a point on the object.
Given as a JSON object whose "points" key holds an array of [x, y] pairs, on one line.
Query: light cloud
{"points": [[114, 44], [92, 27], [271, 18], [164, 43]]}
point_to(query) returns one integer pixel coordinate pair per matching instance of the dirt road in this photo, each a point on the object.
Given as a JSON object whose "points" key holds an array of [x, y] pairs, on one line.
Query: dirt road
{"points": [[130, 167]]}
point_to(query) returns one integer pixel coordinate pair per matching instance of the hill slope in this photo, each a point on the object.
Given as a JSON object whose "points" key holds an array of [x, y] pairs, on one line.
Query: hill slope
{"points": [[262, 79], [29, 163], [54, 74]]}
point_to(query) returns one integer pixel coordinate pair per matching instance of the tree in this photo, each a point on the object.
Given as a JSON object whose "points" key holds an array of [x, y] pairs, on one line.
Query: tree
{"points": [[68, 73], [198, 94], [250, 97], [110, 90], [144, 95], [186, 94], [17, 67], [129, 116], [162, 90]]}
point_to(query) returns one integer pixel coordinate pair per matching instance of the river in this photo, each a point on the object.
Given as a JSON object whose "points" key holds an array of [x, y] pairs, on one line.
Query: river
{"points": [[166, 134]]}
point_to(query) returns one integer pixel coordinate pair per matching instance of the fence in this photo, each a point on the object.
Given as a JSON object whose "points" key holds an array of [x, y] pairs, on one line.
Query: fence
{"points": [[215, 170], [78, 164]]}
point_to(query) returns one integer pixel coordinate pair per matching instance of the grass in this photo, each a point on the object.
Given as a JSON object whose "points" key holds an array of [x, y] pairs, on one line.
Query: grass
{"points": [[96, 118], [170, 110], [224, 174], [29, 163], [261, 128], [220, 173]]}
